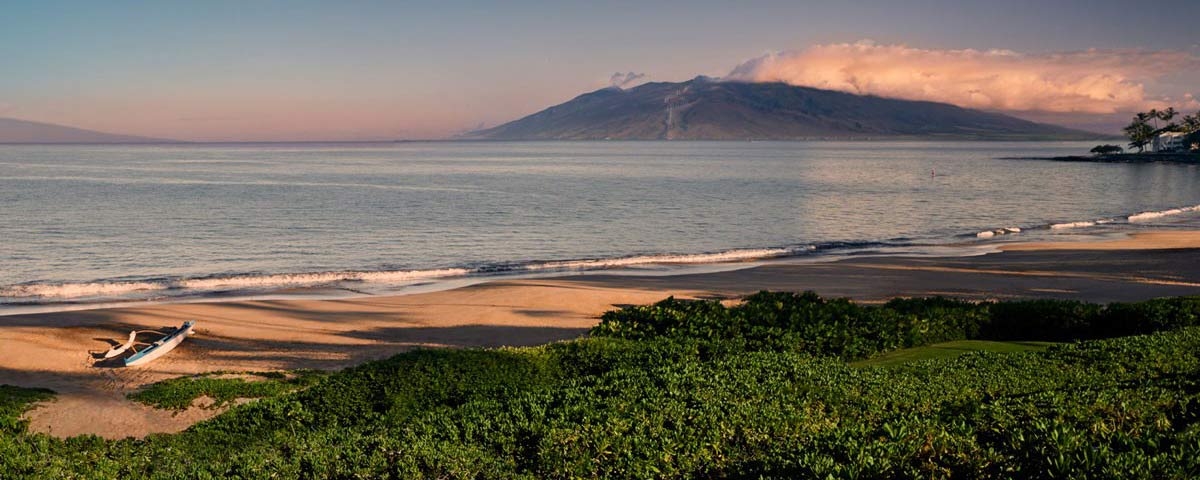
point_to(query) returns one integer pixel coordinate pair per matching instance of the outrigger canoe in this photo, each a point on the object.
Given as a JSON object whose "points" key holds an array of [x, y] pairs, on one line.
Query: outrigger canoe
{"points": [[156, 349]]}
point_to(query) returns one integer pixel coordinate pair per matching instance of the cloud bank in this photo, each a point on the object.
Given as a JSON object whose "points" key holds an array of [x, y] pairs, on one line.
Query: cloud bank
{"points": [[621, 80], [1089, 81]]}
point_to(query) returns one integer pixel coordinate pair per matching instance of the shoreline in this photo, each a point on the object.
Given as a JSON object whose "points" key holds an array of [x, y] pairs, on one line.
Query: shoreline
{"points": [[134, 289], [52, 350], [342, 288], [1154, 240], [1145, 157]]}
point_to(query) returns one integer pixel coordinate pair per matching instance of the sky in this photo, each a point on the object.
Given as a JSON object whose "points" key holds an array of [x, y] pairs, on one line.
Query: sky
{"points": [[360, 70]]}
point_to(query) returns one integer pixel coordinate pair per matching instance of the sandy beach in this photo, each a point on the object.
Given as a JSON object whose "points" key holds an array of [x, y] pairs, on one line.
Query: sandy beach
{"points": [[58, 350], [1163, 240]]}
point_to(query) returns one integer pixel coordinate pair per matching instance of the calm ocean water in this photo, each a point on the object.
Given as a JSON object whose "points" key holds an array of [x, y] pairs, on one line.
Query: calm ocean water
{"points": [[92, 223]]}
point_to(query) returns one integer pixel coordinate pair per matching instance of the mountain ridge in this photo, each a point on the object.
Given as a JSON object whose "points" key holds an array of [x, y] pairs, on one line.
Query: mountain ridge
{"points": [[15, 131], [707, 109]]}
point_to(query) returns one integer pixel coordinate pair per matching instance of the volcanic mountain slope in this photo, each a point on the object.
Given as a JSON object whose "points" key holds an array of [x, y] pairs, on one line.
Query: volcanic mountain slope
{"points": [[704, 109]]}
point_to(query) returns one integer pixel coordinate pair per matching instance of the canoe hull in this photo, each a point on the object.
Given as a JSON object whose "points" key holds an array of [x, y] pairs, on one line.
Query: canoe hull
{"points": [[161, 347]]}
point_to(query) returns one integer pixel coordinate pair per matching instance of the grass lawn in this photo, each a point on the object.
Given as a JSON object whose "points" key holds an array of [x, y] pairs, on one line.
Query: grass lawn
{"points": [[950, 350]]}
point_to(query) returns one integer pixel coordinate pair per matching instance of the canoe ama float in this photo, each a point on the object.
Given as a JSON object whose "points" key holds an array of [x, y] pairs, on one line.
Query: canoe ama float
{"points": [[162, 346]]}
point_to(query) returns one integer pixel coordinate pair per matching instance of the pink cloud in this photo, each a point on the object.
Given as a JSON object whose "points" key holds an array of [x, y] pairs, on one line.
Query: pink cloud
{"points": [[1190, 102], [1090, 81]]}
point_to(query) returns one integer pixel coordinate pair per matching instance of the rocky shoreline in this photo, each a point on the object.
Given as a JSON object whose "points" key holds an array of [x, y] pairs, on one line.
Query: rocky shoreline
{"points": [[1192, 157]]}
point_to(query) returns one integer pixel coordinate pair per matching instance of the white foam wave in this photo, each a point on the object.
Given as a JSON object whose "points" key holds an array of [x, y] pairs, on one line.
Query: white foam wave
{"points": [[200, 285], [1063, 226], [718, 257], [78, 290], [1144, 216], [998, 231], [95, 290], [240, 282]]}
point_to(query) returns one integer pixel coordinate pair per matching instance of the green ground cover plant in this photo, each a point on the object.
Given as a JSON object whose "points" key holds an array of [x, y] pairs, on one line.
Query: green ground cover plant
{"points": [[950, 350], [180, 393], [685, 389], [16, 400]]}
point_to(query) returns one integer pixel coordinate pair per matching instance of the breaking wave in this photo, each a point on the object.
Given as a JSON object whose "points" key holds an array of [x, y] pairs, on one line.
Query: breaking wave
{"points": [[1083, 224], [1064, 226], [159, 288], [1144, 216], [244, 282], [1133, 218], [78, 290], [998, 231], [84, 291], [718, 257]]}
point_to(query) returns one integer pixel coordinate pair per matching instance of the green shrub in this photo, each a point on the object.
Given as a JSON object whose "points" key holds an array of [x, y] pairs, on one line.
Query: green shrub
{"points": [[14, 401], [807, 323], [180, 393], [944, 319], [1049, 320], [1149, 316], [686, 389]]}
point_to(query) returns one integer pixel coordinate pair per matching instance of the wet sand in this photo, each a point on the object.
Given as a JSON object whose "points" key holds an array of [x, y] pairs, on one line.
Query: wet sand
{"points": [[57, 350], [1137, 241]]}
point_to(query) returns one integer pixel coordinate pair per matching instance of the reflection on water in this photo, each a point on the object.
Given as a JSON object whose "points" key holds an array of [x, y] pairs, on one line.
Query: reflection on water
{"points": [[160, 220]]}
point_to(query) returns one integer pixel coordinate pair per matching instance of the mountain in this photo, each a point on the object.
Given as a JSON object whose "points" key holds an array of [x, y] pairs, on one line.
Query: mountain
{"points": [[705, 109], [21, 131]]}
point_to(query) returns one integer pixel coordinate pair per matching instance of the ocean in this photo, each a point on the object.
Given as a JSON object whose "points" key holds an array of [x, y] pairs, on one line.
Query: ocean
{"points": [[105, 223]]}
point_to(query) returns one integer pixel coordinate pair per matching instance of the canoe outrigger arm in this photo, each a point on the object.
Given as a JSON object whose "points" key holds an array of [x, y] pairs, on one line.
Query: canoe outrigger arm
{"points": [[152, 350]]}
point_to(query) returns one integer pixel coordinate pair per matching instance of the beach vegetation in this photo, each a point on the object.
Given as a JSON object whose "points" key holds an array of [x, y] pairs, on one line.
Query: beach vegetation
{"points": [[222, 388], [1107, 149], [14, 401], [1191, 123], [782, 385], [1139, 133], [950, 350]]}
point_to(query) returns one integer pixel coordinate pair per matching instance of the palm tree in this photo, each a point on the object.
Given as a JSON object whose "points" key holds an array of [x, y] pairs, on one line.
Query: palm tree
{"points": [[1139, 132], [1168, 114], [1152, 115], [1191, 123], [1191, 127]]}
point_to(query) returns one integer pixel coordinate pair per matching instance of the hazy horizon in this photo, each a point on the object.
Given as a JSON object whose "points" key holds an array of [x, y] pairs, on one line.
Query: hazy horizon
{"points": [[300, 71]]}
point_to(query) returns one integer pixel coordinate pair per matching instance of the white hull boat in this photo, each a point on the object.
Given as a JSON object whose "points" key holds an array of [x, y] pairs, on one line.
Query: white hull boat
{"points": [[156, 349]]}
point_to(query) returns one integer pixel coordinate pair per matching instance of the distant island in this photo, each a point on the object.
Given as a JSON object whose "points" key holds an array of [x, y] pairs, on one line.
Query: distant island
{"points": [[22, 131], [708, 109]]}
